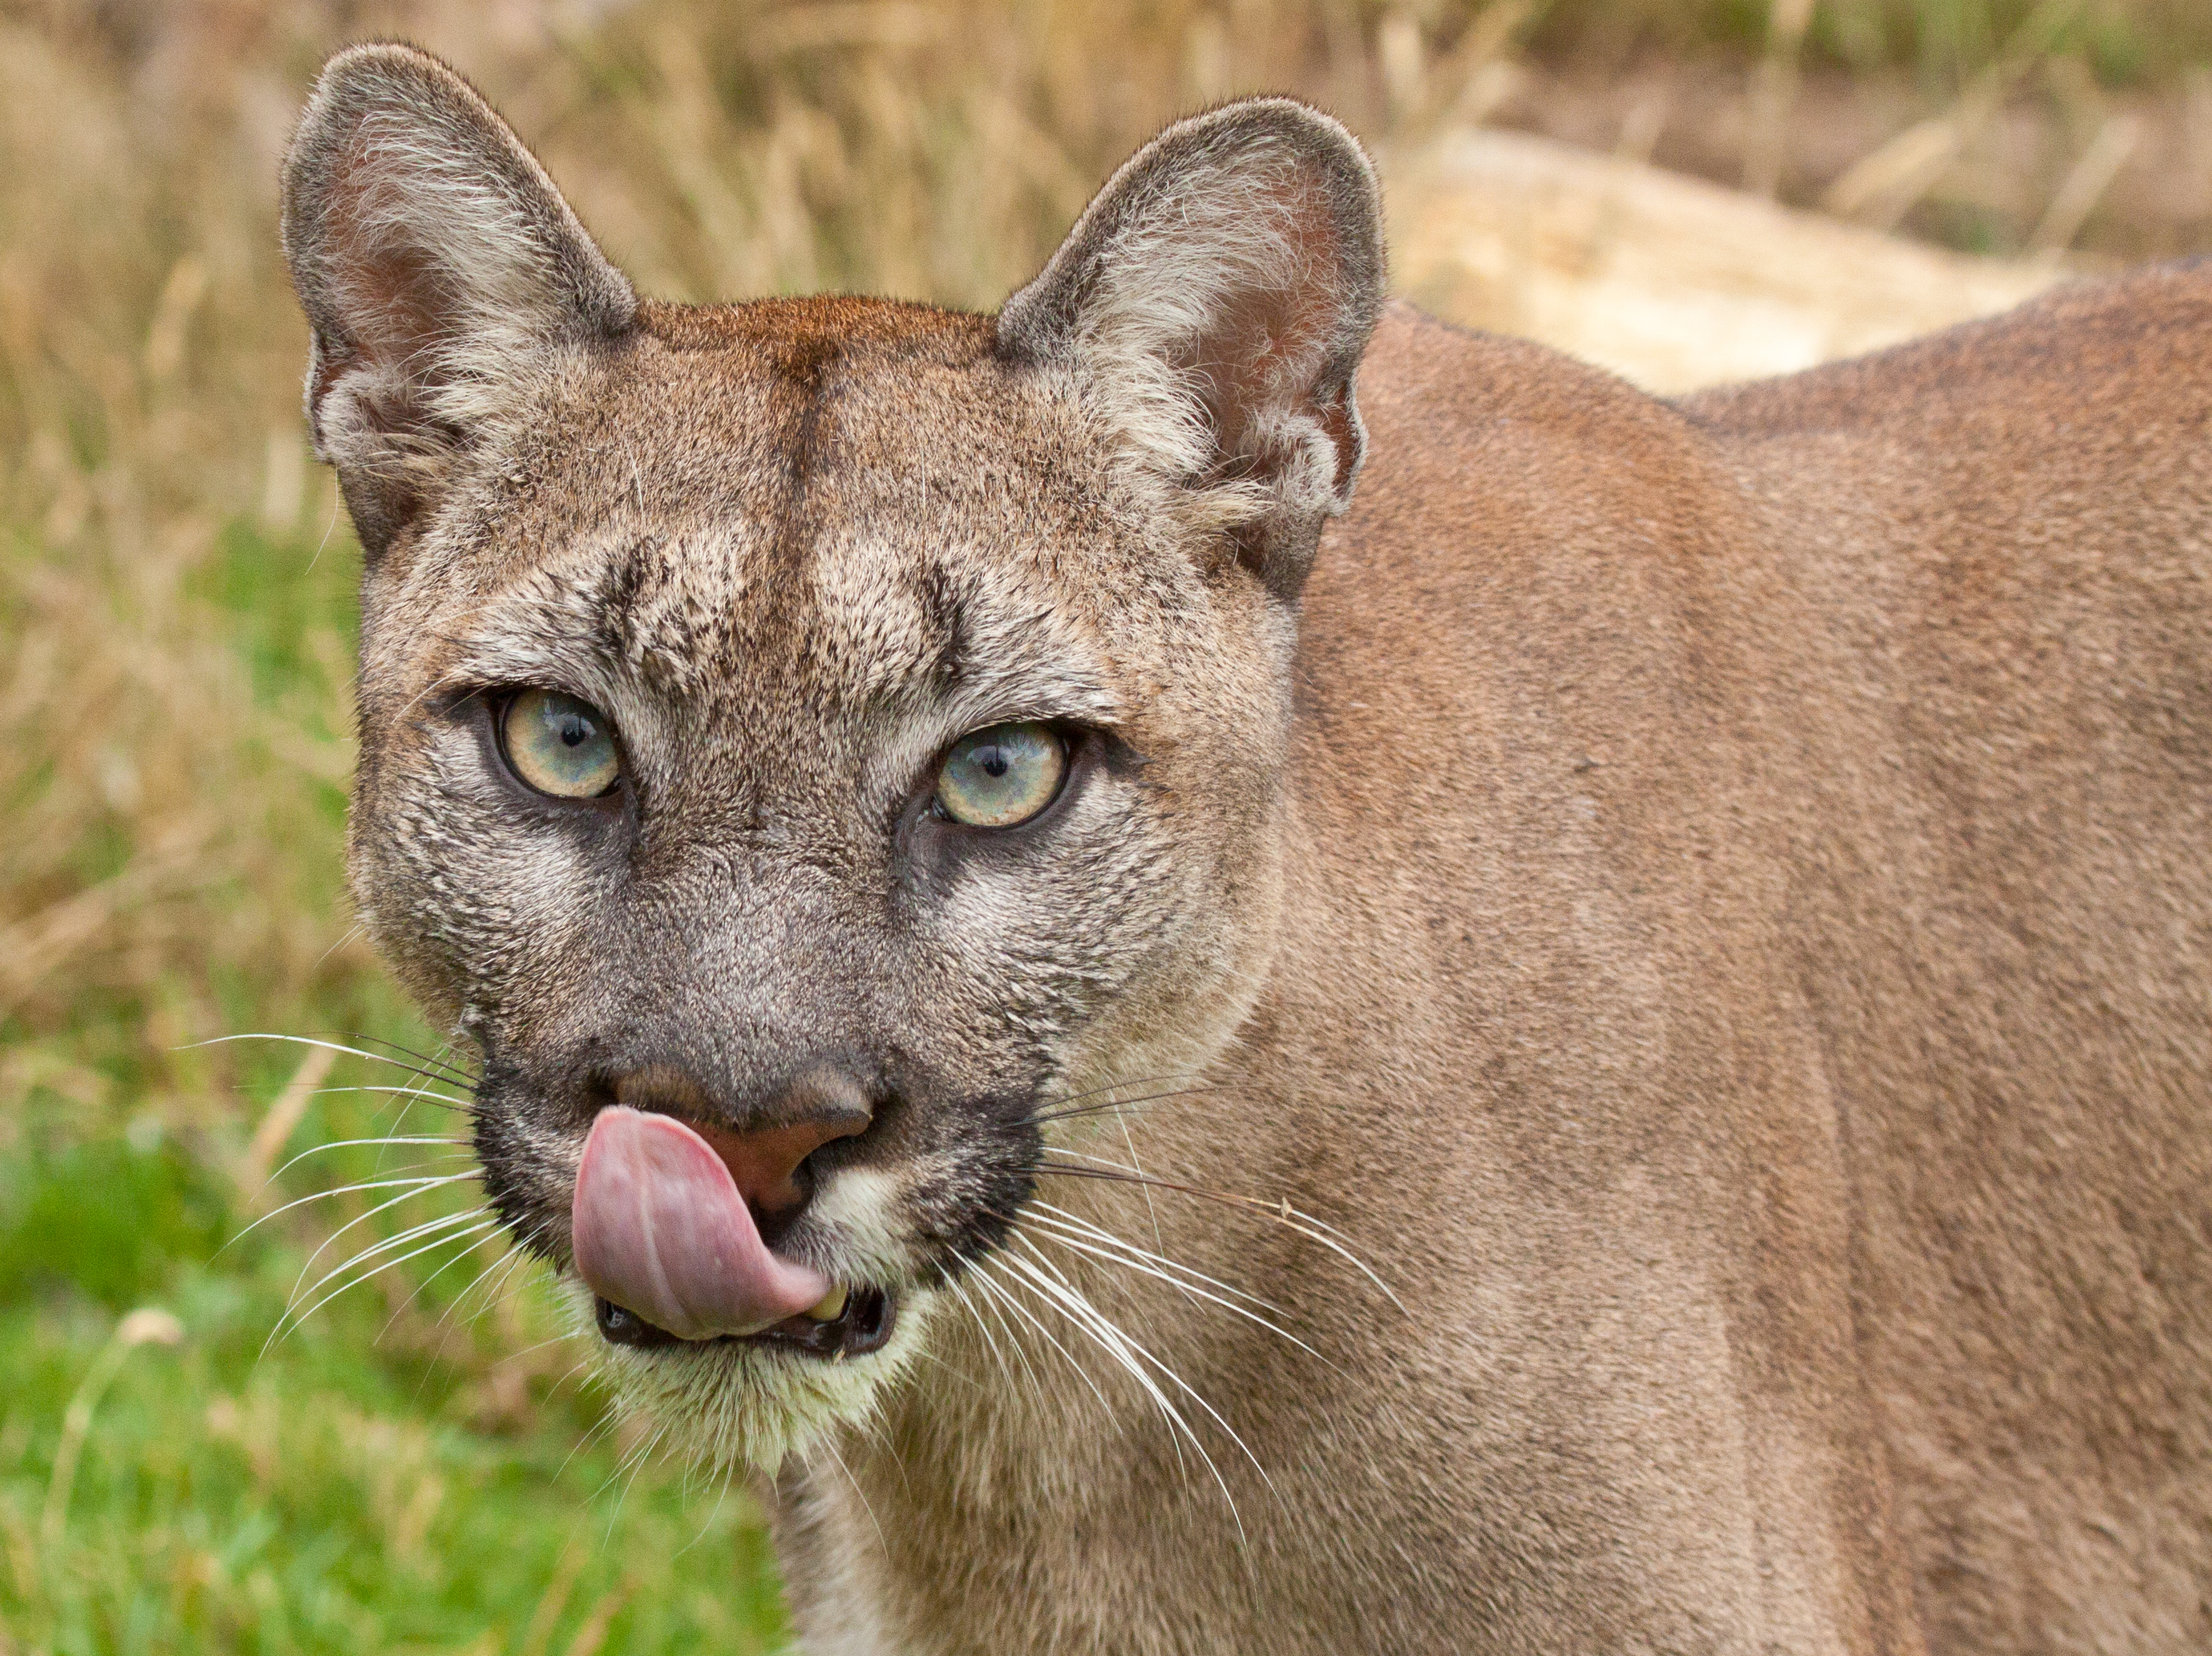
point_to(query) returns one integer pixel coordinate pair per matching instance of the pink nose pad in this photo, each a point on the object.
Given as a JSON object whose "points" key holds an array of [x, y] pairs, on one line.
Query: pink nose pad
{"points": [[765, 1161], [765, 1164]]}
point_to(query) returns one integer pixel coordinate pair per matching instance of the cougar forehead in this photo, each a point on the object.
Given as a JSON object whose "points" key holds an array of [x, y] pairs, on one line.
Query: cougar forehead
{"points": [[704, 476], [853, 499]]}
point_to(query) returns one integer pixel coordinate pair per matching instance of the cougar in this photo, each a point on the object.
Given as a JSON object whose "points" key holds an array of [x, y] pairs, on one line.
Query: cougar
{"points": [[1218, 968]]}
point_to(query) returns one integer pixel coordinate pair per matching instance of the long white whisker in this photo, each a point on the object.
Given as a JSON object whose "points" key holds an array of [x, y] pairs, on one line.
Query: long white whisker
{"points": [[387, 1245], [1175, 1378], [1103, 1334], [1110, 1335], [500, 1277], [1282, 1213], [1058, 1235], [354, 1143], [1001, 1302], [423, 1287], [1046, 1213], [960, 1293], [332, 1046], [405, 1091], [442, 1223], [416, 1187], [1116, 1346], [484, 1225], [419, 1088], [1001, 1293]]}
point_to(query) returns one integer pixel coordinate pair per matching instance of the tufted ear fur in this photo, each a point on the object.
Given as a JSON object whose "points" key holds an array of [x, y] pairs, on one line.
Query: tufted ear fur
{"points": [[1213, 302], [439, 269]]}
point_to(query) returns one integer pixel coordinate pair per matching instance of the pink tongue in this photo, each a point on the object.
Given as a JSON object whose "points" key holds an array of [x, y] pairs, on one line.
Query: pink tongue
{"points": [[661, 1230]]}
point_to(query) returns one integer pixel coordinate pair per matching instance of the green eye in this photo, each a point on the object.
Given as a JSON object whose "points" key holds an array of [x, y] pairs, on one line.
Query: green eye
{"points": [[559, 744], [1002, 777]]}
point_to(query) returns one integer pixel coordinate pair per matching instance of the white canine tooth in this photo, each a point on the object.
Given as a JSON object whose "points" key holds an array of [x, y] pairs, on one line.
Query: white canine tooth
{"points": [[831, 1307]]}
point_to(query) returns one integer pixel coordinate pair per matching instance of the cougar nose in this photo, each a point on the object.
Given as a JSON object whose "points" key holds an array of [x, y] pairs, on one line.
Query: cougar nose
{"points": [[820, 1106]]}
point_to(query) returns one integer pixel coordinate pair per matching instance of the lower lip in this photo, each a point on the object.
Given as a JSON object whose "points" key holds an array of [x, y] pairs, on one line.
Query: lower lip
{"points": [[862, 1327]]}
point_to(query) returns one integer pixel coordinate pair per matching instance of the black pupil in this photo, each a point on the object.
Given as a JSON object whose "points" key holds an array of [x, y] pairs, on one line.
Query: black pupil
{"points": [[994, 761], [576, 730]]}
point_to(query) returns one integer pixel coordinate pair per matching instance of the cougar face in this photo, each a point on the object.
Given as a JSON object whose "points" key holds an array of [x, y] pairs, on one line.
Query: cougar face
{"points": [[822, 740]]}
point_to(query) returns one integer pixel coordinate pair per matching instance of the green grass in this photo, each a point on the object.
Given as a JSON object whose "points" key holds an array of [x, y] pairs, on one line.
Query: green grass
{"points": [[396, 1474], [418, 1465]]}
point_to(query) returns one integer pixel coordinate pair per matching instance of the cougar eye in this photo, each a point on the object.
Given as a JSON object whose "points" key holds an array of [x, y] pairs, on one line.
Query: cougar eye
{"points": [[1002, 777], [560, 745]]}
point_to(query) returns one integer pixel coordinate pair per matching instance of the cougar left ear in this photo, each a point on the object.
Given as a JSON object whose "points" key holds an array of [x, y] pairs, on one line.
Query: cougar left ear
{"points": [[439, 269], [1213, 302]]}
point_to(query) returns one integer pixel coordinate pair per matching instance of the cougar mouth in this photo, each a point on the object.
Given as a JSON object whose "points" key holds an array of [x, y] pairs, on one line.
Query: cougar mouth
{"points": [[862, 1323]]}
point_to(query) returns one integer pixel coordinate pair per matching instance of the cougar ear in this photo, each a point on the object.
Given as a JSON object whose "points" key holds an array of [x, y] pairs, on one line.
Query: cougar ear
{"points": [[439, 269], [1213, 302]]}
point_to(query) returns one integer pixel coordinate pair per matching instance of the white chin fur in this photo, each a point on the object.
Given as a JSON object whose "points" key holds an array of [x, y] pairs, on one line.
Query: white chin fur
{"points": [[723, 1404]]}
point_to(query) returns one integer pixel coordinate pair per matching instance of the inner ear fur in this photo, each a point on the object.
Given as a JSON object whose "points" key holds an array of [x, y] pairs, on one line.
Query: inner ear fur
{"points": [[439, 269], [1213, 302]]}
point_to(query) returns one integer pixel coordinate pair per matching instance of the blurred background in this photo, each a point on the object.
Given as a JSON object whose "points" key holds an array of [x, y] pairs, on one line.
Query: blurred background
{"points": [[1686, 191]]}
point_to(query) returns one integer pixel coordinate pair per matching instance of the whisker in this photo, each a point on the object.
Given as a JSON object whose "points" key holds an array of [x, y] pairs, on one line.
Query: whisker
{"points": [[1125, 1080], [423, 1287], [535, 1345], [385, 1246], [417, 1184], [1304, 1223], [607, 1423], [959, 1374], [1001, 1295], [484, 1224], [1117, 1105], [466, 1106], [1108, 1336], [1129, 1138], [729, 1476], [1132, 1263], [425, 1061], [502, 1279], [1045, 1212], [332, 1046], [960, 1293], [354, 1143], [1169, 1374], [1002, 1303]]}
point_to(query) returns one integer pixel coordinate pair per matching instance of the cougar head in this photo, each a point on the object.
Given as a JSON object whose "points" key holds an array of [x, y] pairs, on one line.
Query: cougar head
{"points": [[809, 746]]}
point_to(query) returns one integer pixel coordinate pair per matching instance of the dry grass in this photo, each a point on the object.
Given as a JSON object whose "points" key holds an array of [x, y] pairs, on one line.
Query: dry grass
{"points": [[175, 655], [175, 580]]}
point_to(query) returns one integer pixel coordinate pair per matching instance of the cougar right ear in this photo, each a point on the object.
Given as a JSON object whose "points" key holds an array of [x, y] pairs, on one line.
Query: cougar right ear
{"points": [[439, 269], [1212, 304]]}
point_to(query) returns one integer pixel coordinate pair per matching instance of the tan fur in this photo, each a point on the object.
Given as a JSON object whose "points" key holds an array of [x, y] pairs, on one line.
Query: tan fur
{"points": [[1708, 900]]}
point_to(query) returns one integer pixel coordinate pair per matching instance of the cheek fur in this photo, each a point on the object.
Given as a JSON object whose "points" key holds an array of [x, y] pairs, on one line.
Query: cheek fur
{"points": [[490, 902]]}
